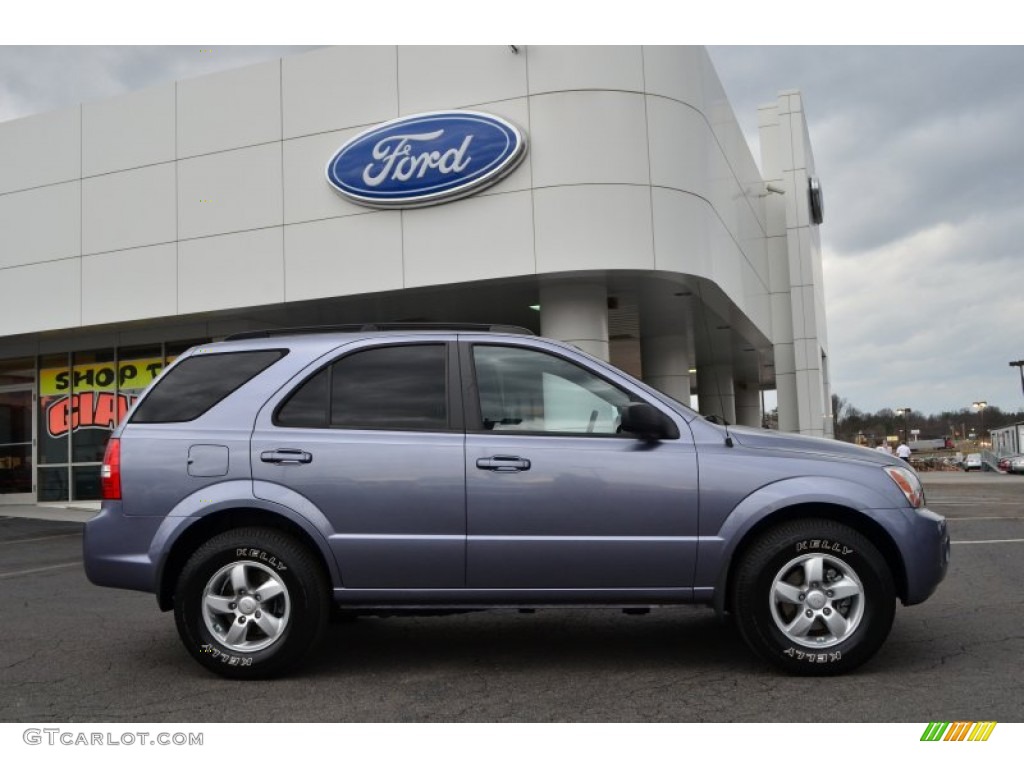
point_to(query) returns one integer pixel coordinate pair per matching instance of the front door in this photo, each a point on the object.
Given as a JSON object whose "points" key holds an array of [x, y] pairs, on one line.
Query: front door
{"points": [[557, 498], [16, 472]]}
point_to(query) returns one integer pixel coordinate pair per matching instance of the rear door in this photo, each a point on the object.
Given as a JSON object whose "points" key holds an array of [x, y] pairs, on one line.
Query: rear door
{"points": [[374, 439]]}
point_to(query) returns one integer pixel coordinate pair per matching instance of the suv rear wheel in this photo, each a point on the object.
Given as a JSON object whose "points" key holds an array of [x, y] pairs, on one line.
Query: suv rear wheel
{"points": [[814, 597], [251, 603]]}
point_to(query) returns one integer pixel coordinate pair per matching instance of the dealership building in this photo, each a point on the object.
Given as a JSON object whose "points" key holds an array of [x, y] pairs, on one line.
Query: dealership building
{"points": [[604, 196]]}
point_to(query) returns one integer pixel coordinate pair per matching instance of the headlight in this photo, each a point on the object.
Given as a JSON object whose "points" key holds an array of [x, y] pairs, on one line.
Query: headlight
{"points": [[908, 482]]}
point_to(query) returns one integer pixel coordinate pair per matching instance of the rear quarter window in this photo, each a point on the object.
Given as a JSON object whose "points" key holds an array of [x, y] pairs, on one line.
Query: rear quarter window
{"points": [[198, 383]]}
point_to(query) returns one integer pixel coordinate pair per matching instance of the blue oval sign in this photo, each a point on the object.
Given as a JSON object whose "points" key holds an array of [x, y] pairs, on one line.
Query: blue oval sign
{"points": [[426, 159]]}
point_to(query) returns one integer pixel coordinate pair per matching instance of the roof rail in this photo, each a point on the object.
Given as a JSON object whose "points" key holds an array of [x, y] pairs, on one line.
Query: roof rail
{"points": [[370, 327]]}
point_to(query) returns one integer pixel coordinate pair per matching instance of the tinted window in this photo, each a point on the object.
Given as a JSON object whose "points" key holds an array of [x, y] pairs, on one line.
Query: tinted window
{"points": [[190, 389], [309, 405], [522, 390], [400, 387]]}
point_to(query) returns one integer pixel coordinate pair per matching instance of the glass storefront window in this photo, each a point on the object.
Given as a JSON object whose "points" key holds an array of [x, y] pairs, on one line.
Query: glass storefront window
{"points": [[82, 397], [54, 424], [16, 372], [52, 484], [86, 483], [93, 403]]}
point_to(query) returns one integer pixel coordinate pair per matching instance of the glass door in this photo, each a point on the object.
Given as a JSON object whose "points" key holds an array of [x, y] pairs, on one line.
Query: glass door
{"points": [[16, 474]]}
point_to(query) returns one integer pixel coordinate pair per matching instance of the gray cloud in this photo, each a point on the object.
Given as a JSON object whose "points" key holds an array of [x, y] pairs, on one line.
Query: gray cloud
{"points": [[41, 78], [919, 152]]}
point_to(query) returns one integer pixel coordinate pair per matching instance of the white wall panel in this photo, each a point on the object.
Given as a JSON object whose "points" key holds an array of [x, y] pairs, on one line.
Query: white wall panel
{"points": [[134, 284], [474, 239], [128, 209], [593, 227], [589, 137], [40, 297], [238, 270], [128, 131], [339, 87], [42, 149], [230, 191], [345, 256], [584, 67], [782, 318], [682, 232], [677, 72], [307, 194], [434, 77], [232, 109], [40, 224], [681, 146]]}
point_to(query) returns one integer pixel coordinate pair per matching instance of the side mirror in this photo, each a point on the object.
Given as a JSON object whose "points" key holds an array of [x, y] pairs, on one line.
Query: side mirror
{"points": [[647, 423]]}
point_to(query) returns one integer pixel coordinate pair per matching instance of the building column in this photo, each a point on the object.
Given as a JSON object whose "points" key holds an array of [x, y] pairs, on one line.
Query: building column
{"points": [[577, 313], [715, 392], [666, 365], [748, 404], [785, 388]]}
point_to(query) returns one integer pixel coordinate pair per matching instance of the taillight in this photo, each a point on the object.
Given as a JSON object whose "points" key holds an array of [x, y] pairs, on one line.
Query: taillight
{"points": [[110, 472]]}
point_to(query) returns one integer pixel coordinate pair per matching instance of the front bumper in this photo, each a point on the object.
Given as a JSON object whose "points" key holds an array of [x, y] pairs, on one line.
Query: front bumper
{"points": [[926, 550]]}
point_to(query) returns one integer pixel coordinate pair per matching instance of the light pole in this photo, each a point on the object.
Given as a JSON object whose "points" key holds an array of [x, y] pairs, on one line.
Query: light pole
{"points": [[981, 405], [905, 413], [1019, 365]]}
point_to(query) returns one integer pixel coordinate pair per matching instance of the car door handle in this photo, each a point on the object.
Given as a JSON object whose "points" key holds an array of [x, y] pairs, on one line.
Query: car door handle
{"points": [[504, 464], [286, 456]]}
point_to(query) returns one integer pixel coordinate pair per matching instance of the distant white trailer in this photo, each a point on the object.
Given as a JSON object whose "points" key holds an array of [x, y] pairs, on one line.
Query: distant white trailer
{"points": [[938, 444], [1007, 441]]}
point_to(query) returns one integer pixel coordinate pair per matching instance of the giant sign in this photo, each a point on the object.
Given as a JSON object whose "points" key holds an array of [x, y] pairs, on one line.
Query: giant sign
{"points": [[426, 159], [92, 395]]}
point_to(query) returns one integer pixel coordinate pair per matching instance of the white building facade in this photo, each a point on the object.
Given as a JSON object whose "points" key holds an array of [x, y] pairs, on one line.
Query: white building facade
{"points": [[636, 225]]}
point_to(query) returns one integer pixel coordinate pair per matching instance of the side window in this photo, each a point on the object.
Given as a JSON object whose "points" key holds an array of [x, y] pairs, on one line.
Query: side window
{"points": [[192, 388], [395, 387], [524, 390]]}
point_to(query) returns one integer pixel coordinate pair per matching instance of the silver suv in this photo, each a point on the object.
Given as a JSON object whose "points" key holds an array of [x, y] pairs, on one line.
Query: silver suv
{"points": [[267, 480]]}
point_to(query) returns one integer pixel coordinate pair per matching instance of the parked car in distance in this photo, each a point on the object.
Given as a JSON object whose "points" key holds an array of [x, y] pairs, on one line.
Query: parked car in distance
{"points": [[1016, 465], [1003, 464], [262, 482], [972, 461]]}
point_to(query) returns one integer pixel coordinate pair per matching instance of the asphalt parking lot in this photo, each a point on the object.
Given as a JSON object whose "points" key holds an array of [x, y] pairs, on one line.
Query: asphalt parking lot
{"points": [[72, 652]]}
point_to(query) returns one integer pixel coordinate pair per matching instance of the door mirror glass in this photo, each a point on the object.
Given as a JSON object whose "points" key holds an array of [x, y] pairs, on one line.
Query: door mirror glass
{"points": [[648, 423]]}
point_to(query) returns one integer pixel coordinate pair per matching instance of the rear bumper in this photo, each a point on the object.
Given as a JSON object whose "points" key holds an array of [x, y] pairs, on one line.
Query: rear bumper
{"points": [[115, 549]]}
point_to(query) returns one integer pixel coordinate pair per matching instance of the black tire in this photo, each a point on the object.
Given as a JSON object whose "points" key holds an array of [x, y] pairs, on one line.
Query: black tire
{"points": [[800, 624], [251, 603]]}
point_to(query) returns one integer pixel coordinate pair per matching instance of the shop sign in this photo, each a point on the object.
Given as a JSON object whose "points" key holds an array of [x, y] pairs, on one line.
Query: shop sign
{"points": [[426, 159], [99, 410], [92, 395]]}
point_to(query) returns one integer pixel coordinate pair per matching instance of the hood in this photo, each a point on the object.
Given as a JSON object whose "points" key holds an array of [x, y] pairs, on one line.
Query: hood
{"points": [[821, 446]]}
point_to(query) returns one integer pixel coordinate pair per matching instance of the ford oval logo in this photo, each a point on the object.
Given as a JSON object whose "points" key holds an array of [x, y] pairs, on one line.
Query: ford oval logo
{"points": [[426, 159]]}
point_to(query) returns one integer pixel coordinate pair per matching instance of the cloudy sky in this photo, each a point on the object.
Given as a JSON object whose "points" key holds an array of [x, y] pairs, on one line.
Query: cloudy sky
{"points": [[920, 156]]}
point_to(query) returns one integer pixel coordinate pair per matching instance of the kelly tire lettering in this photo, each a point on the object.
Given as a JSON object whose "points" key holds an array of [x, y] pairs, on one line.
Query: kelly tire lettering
{"points": [[813, 597], [251, 603]]}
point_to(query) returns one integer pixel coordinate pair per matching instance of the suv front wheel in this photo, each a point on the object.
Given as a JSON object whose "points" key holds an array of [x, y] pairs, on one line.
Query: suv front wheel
{"points": [[250, 603], [814, 597]]}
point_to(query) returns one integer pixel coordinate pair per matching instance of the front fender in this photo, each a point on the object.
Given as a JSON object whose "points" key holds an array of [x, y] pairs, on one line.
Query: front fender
{"points": [[715, 551]]}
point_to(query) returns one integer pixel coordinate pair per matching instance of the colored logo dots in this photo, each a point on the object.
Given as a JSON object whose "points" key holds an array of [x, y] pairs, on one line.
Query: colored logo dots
{"points": [[960, 731]]}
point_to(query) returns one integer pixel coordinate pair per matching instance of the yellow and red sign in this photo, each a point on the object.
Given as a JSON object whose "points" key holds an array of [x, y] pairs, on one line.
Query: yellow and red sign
{"points": [[93, 395], [127, 374]]}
